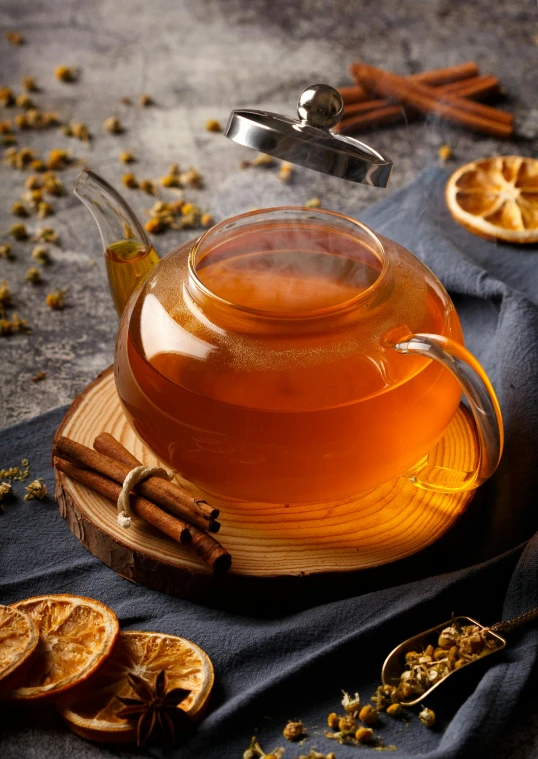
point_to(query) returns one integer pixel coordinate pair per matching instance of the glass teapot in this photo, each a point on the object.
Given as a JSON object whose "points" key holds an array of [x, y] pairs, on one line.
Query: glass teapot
{"points": [[291, 354]]}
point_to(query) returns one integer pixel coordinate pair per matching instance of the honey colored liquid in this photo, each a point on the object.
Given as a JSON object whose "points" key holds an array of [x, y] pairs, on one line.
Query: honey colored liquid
{"points": [[127, 264], [310, 416]]}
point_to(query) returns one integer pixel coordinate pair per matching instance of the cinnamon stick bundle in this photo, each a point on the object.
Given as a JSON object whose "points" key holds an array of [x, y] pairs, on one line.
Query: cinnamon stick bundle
{"points": [[203, 544], [378, 110], [172, 526], [422, 97], [107, 444], [171, 497], [356, 93]]}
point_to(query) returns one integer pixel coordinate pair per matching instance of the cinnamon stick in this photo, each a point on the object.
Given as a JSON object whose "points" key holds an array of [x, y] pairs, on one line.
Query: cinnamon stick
{"points": [[172, 526], [357, 93], [475, 116], [171, 497], [209, 549], [476, 87], [107, 444]]}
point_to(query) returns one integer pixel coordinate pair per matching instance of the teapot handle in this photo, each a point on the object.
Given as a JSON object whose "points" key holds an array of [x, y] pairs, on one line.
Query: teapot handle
{"points": [[484, 407]]}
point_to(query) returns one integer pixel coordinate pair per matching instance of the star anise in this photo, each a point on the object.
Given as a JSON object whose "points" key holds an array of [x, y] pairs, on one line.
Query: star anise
{"points": [[155, 705]]}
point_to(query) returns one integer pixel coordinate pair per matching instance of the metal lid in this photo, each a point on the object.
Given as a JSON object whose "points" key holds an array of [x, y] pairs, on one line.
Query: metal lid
{"points": [[310, 142]]}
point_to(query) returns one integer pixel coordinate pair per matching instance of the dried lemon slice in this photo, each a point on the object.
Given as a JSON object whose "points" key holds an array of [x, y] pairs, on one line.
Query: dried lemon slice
{"points": [[76, 634], [497, 198], [91, 711], [18, 639]]}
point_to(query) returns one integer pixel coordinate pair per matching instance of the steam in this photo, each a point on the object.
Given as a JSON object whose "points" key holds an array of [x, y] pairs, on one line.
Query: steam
{"points": [[291, 267]]}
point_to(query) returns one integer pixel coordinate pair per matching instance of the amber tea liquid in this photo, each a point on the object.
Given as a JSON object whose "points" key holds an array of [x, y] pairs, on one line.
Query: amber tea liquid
{"points": [[274, 391]]}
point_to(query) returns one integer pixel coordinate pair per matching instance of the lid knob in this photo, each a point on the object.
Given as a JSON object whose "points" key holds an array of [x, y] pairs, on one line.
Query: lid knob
{"points": [[320, 106]]}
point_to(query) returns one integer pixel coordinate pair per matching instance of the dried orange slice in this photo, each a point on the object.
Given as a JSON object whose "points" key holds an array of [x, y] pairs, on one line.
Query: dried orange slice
{"points": [[91, 711], [76, 634], [18, 639], [497, 198]]}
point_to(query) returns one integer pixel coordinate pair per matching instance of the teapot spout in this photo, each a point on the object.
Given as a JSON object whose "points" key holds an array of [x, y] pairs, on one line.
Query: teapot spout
{"points": [[129, 253]]}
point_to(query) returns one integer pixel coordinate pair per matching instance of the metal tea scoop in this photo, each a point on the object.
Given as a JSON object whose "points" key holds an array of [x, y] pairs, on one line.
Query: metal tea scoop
{"points": [[430, 675]]}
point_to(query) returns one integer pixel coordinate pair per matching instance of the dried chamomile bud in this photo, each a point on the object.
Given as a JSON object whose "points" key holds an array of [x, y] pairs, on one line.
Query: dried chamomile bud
{"points": [[47, 234], [192, 177], [313, 203], [52, 185], [445, 152], [29, 84], [19, 209], [34, 118], [145, 100], [294, 731], [66, 73], [395, 710], [36, 491], [51, 118], [130, 181], [18, 232], [146, 185], [212, 125], [313, 754], [44, 209], [78, 130], [427, 717], [155, 226], [33, 182], [263, 160], [364, 735], [333, 719], [176, 206], [383, 696], [5, 251], [21, 121], [285, 172], [15, 38], [38, 165], [56, 300], [18, 324], [351, 704], [368, 715], [33, 197], [448, 637], [113, 125], [170, 180], [7, 97], [347, 724], [6, 489], [127, 157], [5, 293], [58, 159], [206, 220], [24, 101], [33, 275]]}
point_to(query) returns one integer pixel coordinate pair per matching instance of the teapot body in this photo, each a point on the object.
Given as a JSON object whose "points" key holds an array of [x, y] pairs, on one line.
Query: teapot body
{"points": [[259, 360]]}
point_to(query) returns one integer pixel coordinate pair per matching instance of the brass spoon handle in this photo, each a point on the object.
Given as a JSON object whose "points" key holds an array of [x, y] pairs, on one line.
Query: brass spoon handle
{"points": [[508, 625]]}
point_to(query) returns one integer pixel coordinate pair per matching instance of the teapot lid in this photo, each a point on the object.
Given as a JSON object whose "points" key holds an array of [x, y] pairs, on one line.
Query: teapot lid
{"points": [[310, 142]]}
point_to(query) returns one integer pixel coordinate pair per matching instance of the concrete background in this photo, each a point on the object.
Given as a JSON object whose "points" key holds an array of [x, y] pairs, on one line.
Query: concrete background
{"points": [[198, 60]]}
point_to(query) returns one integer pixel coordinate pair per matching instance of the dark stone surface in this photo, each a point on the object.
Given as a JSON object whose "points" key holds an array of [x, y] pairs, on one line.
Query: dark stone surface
{"points": [[198, 60]]}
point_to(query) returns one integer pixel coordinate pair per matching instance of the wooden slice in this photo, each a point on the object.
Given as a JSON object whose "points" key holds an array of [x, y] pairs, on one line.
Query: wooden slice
{"points": [[265, 540]]}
